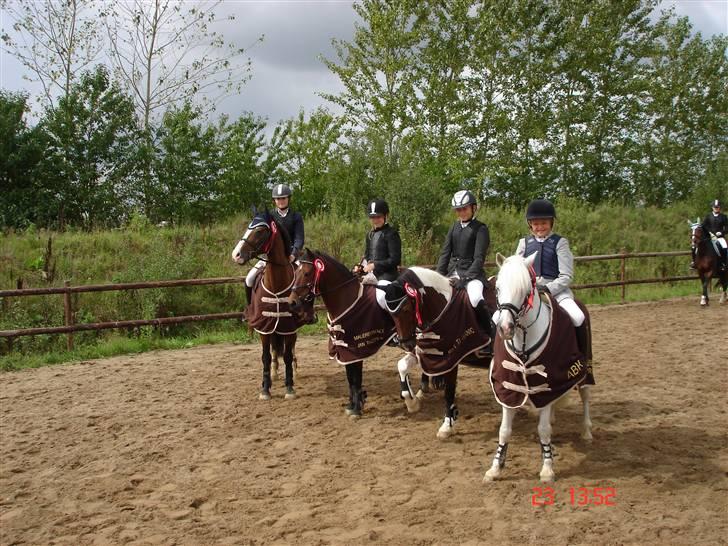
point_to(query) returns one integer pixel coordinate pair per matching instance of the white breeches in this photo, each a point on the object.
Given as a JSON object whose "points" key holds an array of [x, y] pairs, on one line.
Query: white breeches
{"points": [[250, 278], [570, 306], [720, 241], [475, 292], [381, 295]]}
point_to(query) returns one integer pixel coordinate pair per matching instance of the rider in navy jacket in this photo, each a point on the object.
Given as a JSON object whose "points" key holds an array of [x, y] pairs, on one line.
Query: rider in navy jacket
{"points": [[716, 224]]}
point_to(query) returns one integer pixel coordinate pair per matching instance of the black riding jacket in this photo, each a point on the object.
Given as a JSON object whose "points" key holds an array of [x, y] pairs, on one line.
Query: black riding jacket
{"points": [[293, 224], [715, 224], [384, 248], [464, 251]]}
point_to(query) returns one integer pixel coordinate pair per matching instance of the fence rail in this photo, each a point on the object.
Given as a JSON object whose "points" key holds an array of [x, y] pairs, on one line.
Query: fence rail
{"points": [[69, 327]]}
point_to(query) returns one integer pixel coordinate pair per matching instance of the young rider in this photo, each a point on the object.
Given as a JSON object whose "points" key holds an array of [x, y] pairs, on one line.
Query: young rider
{"points": [[464, 251], [383, 247], [291, 221], [554, 264], [716, 224]]}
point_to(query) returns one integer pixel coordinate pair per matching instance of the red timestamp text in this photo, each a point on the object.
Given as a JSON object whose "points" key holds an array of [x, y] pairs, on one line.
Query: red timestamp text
{"points": [[577, 496]]}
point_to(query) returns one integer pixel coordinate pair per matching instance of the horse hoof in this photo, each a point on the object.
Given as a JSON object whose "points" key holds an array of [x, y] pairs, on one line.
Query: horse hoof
{"points": [[587, 436], [413, 404], [354, 415], [264, 396], [547, 475], [445, 434], [290, 395], [489, 477], [420, 395]]}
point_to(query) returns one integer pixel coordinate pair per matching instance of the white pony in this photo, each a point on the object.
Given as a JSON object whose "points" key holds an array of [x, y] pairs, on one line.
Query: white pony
{"points": [[525, 323]]}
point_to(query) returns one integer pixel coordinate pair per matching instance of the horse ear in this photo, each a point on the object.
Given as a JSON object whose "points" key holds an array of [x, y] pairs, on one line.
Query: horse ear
{"points": [[499, 259], [532, 258]]}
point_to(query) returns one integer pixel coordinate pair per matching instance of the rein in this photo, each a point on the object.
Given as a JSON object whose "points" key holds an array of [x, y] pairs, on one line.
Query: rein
{"points": [[520, 313], [319, 267], [261, 252]]}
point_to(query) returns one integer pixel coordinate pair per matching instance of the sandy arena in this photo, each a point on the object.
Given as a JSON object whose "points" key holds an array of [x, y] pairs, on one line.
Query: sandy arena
{"points": [[175, 448]]}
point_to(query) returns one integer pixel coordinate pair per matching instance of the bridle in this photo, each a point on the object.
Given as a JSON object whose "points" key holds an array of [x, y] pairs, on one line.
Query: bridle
{"points": [[410, 292], [266, 245], [313, 286]]}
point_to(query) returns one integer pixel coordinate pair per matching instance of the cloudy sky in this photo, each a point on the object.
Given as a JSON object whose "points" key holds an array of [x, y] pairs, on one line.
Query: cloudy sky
{"points": [[287, 72]]}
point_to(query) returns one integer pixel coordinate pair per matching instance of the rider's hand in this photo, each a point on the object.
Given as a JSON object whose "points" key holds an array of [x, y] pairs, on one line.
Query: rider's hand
{"points": [[453, 281], [291, 258], [719, 234], [369, 267]]}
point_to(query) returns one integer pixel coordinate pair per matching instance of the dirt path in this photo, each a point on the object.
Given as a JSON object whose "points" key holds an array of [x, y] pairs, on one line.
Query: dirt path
{"points": [[174, 448]]}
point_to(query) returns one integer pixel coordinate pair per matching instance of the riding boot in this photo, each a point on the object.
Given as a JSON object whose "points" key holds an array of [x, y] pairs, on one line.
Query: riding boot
{"points": [[249, 293], [582, 339], [722, 260], [483, 317]]}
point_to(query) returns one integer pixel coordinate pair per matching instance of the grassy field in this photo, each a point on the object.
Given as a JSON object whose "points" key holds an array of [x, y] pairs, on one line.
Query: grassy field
{"points": [[37, 258]]}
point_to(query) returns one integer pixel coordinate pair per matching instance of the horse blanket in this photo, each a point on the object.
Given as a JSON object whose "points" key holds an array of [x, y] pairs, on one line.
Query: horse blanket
{"points": [[269, 312], [453, 336], [361, 330], [547, 374]]}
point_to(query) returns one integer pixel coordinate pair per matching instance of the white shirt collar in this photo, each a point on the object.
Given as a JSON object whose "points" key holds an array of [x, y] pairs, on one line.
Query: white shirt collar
{"points": [[283, 213], [465, 224]]}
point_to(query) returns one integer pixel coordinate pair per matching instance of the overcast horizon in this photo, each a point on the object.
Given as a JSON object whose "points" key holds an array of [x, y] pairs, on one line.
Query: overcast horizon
{"points": [[286, 69]]}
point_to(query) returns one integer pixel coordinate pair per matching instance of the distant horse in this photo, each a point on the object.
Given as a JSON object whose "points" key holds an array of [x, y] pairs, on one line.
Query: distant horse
{"points": [[358, 325], [536, 358], [438, 328], [267, 312], [706, 262]]}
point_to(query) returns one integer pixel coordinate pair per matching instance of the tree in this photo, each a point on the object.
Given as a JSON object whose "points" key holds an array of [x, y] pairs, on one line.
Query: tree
{"points": [[55, 41], [166, 52]]}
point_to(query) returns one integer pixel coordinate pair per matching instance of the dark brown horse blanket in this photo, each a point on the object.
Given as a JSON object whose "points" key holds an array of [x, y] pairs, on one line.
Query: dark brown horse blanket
{"points": [[548, 374], [360, 331], [269, 312], [454, 335]]}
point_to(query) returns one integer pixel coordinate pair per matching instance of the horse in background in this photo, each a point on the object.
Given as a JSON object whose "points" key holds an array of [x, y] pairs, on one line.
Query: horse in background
{"points": [[438, 328], [536, 358], [267, 313], [706, 263]]}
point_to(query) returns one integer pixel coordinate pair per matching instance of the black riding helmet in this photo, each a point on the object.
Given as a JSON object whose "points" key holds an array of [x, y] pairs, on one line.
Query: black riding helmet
{"points": [[715, 204], [540, 208], [377, 207]]}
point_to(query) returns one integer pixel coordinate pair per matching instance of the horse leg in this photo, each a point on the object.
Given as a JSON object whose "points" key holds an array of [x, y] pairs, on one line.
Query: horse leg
{"points": [[275, 364], [358, 396], [410, 399], [424, 386], [544, 435], [504, 435], [705, 300], [585, 394], [447, 428], [289, 345], [266, 357]]}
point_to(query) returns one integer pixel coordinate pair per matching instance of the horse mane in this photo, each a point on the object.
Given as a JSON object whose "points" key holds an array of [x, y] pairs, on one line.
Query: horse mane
{"points": [[514, 271], [432, 279], [283, 233], [313, 254]]}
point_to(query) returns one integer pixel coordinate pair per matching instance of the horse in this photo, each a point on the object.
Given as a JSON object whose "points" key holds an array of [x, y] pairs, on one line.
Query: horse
{"points": [[536, 359], [358, 325], [267, 312], [438, 328], [706, 262]]}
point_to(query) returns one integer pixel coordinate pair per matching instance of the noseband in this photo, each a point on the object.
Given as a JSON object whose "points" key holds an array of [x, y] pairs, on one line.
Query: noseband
{"points": [[265, 247], [313, 287], [527, 305]]}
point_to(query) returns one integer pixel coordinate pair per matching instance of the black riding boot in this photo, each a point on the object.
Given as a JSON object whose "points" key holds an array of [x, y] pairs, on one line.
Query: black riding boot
{"points": [[484, 319], [582, 339], [722, 261], [249, 293]]}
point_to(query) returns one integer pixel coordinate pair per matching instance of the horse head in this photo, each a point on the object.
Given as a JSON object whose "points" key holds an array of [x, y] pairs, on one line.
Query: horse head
{"points": [[696, 233], [414, 300], [257, 239], [306, 285], [515, 291]]}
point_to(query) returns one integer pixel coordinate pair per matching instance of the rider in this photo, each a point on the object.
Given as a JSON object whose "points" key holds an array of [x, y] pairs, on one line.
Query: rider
{"points": [[716, 224], [463, 254], [291, 221], [383, 250], [554, 264]]}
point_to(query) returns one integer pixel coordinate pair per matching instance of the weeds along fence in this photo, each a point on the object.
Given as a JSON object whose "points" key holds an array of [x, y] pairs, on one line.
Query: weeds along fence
{"points": [[70, 327]]}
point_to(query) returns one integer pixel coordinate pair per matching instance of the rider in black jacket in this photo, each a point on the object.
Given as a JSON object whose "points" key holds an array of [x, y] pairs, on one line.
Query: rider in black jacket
{"points": [[715, 224], [464, 251], [383, 250]]}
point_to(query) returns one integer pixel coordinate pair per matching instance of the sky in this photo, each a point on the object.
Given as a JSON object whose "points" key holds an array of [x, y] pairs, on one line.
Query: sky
{"points": [[286, 70]]}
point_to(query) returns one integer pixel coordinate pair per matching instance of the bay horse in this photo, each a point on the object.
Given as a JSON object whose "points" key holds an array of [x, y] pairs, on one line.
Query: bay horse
{"points": [[267, 313], [358, 325], [536, 359], [438, 329], [706, 263]]}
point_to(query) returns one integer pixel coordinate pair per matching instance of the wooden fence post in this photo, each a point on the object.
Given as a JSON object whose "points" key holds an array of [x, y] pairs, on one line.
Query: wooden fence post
{"points": [[623, 274], [68, 314]]}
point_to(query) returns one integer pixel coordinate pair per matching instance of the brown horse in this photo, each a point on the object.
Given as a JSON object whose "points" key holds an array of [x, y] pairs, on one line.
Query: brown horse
{"points": [[358, 325], [267, 312], [706, 262]]}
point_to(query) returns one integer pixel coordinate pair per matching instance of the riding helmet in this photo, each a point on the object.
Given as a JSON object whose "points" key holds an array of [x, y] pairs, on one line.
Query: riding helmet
{"points": [[281, 190], [463, 198], [715, 203], [540, 208], [377, 207]]}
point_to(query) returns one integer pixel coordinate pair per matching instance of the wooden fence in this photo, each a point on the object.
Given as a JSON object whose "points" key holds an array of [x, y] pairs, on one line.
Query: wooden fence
{"points": [[70, 327]]}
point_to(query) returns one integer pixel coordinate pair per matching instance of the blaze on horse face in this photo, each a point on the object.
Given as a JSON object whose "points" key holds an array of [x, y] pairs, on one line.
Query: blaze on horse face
{"points": [[253, 241], [402, 309]]}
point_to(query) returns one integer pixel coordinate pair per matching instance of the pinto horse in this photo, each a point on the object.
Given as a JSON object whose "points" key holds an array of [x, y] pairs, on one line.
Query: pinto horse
{"points": [[267, 312], [706, 262], [358, 325], [437, 327], [536, 358]]}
